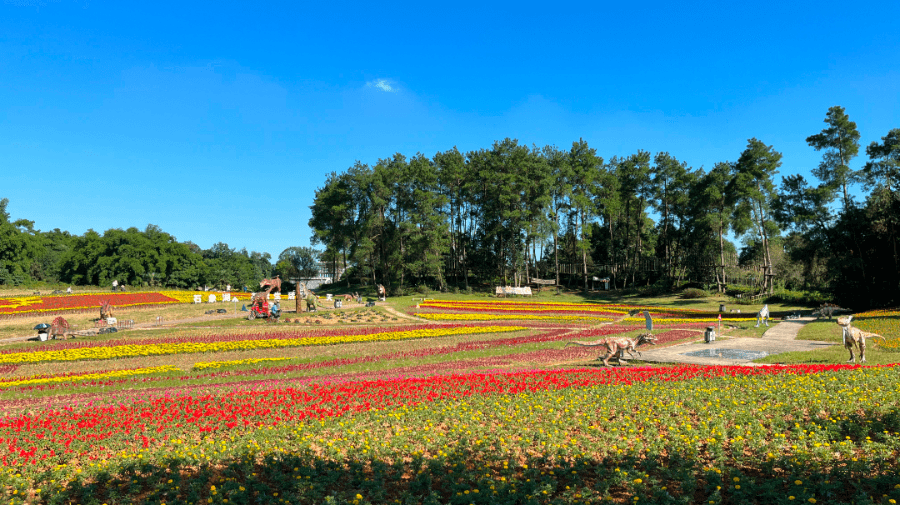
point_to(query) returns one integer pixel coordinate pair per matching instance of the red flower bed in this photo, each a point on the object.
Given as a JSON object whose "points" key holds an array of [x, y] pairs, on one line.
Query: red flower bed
{"points": [[676, 335], [44, 304], [96, 432]]}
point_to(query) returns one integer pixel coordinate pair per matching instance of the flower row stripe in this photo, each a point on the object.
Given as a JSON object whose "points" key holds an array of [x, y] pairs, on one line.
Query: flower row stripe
{"points": [[584, 307], [89, 376], [128, 351], [203, 365], [438, 316], [444, 316], [38, 304]]}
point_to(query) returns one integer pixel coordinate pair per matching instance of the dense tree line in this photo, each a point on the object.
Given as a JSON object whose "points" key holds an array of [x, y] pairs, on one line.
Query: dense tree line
{"points": [[511, 213], [138, 258]]}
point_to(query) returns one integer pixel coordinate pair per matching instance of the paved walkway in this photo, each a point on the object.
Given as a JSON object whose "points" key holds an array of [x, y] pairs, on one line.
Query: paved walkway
{"points": [[738, 351]]}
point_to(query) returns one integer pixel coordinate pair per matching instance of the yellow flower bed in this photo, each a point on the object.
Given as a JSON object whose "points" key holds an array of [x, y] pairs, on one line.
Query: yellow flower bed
{"points": [[130, 351], [88, 376], [504, 305], [885, 322], [522, 306], [517, 317], [529, 317], [203, 365], [188, 296], [691, 319]]}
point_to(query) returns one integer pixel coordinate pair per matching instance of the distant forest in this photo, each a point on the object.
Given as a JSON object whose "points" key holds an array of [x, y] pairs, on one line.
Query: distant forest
{"points": [[513, 213], [133, 257]]}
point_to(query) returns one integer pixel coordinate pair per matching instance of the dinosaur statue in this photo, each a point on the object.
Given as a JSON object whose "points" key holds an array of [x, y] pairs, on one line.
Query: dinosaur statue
{"points": [[106, 310], [59, 327], [826, 310], [272, 284], [854, 336], [618, 345], [311, 301], [763, 315]]}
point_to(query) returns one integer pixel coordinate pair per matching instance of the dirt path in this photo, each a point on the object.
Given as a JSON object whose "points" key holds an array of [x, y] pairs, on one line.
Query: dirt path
{"points": [[395, 312]]}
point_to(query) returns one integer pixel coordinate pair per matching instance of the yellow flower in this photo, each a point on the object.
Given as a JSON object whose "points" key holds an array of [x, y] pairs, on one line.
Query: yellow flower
{"points": [[88, 376], [126, 351]]}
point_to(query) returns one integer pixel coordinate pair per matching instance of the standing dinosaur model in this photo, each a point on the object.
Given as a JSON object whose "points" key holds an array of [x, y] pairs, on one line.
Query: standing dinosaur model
{"points": [[106, 310], [270, 285], [618, 346], [763, 316], [59, 327], [855, 337], [312, 301]]}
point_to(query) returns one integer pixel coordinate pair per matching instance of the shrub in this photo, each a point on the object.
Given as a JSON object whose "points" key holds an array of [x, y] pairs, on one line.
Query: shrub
{"points": [[692, 293], [398, 291], [799, 297]]}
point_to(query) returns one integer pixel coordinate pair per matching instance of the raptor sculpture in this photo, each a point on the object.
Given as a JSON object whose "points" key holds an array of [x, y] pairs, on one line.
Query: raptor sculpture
{"points": [[618, 346], [763, 316], [272, 284], [855, 337]]}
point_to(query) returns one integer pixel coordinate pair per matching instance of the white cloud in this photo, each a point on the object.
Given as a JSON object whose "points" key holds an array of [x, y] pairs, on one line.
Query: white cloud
{"points": [[381, 84]]}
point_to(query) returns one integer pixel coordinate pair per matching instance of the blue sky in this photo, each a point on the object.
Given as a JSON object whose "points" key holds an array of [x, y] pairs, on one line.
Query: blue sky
{"points": [[208, 119]]}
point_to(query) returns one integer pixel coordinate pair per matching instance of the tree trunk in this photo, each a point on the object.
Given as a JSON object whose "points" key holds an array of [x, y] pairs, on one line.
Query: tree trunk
{"points": [[526, 260], [580, 226], [344, 255], [722, 286], [556, 247], [670, 269], [402, 268], [612, 254], [638, 242]]}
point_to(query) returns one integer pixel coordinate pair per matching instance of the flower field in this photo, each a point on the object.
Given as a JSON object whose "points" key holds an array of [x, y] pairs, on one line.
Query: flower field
{"points": [[30, 305], [883, 322], [685, 435], [119, 349], [496, 310], [486, 411]]}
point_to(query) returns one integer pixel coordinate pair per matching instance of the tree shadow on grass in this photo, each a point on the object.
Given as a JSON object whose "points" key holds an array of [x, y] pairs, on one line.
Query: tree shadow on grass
{"points": [[485, 476]]}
